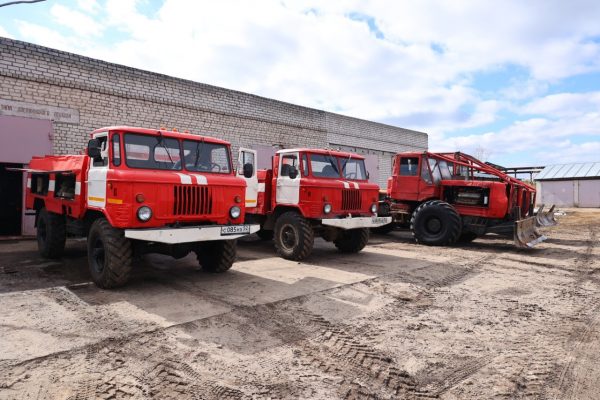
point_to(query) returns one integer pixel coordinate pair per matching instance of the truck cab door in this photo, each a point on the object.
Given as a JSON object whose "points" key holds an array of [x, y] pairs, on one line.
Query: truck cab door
{"points": [[409, 177], [288, 182], [248, 157], [96, 179]]}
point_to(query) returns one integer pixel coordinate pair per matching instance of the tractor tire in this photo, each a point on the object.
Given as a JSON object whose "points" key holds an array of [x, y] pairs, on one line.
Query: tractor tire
{"points": [[110, 255], [294, 237], [51, 234], [352, 240], [467, 237], [436, 223], [216, 256], [265, 235]]}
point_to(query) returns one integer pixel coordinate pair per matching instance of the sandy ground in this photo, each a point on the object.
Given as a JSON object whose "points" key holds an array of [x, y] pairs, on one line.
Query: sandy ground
{"points": [[398, 320]]}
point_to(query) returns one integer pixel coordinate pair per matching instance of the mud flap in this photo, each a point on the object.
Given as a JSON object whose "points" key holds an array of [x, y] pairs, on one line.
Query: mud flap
{"points": [[545, 218], [526, 235]]}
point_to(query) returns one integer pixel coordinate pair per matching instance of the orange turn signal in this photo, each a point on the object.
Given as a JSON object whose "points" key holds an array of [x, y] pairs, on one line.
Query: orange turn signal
{"points": [[237, 199], [140, 198]]}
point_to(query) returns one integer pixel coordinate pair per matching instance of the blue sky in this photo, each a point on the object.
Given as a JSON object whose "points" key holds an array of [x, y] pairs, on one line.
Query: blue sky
{"points": [[515, 82]]}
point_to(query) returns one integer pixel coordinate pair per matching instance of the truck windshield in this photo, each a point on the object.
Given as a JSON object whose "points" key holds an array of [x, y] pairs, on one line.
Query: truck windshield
{"points": [[152, 152], [206, 157], [353, 168], [324, 166]]}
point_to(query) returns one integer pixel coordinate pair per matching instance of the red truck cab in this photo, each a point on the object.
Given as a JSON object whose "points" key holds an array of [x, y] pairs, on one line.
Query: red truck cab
{"points": [[310, 192], [140, 190]]}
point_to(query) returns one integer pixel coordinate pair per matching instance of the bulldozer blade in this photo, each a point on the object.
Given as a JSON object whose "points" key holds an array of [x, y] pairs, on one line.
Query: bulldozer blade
{"points": [[545, 218], [526, 234]]}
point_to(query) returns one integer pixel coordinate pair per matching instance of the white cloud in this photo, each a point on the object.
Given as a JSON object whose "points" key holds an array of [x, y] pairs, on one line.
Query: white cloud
{"points": [[78, 22], [4, 33], [407, 63]]}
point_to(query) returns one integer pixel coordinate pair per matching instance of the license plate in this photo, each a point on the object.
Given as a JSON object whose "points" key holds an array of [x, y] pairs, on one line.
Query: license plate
{"points": [[235, 229], [379, 220]]}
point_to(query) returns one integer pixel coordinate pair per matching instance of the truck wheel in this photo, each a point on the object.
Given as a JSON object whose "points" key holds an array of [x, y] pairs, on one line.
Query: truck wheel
{"points": [[265, 235], [51, 234], [352, 240], [435, 223], [216, 256], [294, 237], [109, 255], [467, 237]]}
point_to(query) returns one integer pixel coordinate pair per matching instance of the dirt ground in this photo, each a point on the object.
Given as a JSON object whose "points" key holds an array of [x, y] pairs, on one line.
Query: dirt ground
{"points": [[399, 320]]}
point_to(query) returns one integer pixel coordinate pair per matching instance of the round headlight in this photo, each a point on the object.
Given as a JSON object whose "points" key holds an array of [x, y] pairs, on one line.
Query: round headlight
{"points": [[373, 208], [327, 208], [235, 212], [144, 213]]}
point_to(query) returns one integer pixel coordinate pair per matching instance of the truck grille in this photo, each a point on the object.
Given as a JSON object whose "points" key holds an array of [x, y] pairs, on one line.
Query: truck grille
{"points": [[192, 200], [351, 199]]}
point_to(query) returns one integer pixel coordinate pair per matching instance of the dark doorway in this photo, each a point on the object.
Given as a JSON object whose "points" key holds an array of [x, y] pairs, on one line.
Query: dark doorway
{"points": [[11, 200]]}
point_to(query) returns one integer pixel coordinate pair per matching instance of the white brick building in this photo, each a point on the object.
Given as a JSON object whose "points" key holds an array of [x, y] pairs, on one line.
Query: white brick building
{"points": [[53, 99]]}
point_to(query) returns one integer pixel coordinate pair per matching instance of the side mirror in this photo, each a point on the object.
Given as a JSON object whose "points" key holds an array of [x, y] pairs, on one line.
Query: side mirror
{"points": [[93, 149], [293, 172], [368, 175], [248, 170]]}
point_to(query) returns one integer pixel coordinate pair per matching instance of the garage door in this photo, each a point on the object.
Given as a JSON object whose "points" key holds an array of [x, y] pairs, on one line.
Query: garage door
{"points": [[559, 193], [589, 193]]}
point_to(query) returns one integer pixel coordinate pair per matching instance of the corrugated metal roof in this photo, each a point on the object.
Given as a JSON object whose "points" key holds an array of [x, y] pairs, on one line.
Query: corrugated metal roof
{"points": [[568, 171]]}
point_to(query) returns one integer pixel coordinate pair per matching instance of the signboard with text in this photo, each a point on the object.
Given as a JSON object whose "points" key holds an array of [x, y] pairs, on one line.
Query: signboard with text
{"points": [[39, 111]]}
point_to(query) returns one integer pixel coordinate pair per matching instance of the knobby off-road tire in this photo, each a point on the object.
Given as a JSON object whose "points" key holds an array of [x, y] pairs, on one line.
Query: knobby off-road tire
{"points": [[265, 235], [352, 240], [467, 237], [110, 255], [436, 223], [51, 234], [216, 256], [294, 237]]}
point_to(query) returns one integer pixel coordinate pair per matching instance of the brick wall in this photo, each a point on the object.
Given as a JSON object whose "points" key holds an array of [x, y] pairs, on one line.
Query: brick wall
{"points": [[110, 94]]}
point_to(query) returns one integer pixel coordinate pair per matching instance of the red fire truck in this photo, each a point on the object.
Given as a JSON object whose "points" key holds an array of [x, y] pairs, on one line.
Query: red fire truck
{"points": [[138, 191], [309, 192]]}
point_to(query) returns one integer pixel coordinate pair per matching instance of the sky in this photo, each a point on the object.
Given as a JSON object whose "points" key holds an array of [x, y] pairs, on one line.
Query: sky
{"points": [[514, 82]]}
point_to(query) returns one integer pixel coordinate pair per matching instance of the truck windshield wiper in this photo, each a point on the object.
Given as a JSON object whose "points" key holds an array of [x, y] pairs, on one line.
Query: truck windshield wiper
{"points": [[331, 162], [198, 152], [162, 143]]}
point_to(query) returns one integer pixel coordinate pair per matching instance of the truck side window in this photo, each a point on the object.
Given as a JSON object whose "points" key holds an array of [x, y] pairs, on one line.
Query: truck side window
{"points": [[409, 165], [116, 150], [425, 175], [304, 165], [103, 147], [288, 161]]}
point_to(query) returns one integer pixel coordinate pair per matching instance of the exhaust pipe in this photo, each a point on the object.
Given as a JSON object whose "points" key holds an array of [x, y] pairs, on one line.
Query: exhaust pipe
{"points": [[526, 234], [545, 218]]}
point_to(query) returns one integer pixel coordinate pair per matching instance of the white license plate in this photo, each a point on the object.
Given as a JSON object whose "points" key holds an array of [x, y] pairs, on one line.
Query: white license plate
{"points": [[379, 220], [235, 229]]}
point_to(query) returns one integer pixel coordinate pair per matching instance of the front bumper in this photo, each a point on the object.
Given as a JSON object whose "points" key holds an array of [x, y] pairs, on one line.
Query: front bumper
{"points": [[357, 222], [190, 234]]}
